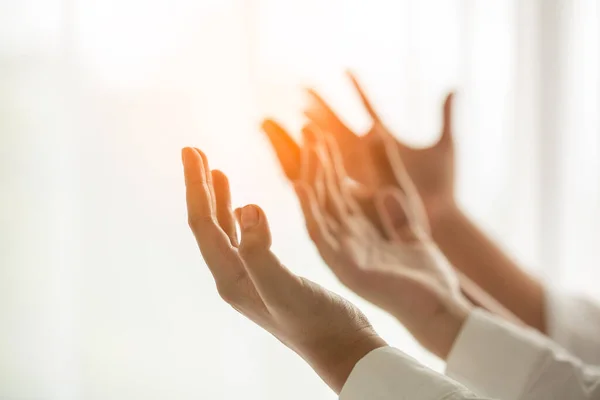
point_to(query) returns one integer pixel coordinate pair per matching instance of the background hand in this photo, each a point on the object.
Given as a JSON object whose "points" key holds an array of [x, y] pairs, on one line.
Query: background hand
{"points": [[407, 275], [425, 175], [323, 328], [489, 277], [431, 169]]}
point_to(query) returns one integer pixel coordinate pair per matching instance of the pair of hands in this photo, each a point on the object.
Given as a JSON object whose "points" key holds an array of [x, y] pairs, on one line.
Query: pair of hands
{"points": [[430, 170], [373, 198], [373, 235], [396, 266]]}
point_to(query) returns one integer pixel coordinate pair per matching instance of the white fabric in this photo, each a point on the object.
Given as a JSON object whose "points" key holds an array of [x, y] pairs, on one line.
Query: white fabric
{"points": [[387, 373], [491, 357], [500, 360], [574, 323]]}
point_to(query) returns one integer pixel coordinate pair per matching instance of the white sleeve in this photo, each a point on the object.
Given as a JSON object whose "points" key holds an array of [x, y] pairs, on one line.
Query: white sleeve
{"points": [[389, 374], [497, 359], [574, 323]]}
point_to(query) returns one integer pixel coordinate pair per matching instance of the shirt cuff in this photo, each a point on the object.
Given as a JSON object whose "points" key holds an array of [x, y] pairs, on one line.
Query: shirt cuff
{"points": [[387, 373], [573, 322], [494, 358]]}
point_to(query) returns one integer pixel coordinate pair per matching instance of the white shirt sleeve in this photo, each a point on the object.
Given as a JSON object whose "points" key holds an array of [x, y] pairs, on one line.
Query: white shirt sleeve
{"points": [[574, 323], [497, 359], [389, 374]]}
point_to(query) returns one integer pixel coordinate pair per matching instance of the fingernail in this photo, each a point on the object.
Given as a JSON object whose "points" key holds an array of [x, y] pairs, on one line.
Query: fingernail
{"points": [[249, 217]]}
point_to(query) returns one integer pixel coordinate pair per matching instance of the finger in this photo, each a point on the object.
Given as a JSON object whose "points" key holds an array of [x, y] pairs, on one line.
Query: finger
{"points": [[329, 248], [336, 203], [223, 200], [447, 119], [396, 215], [315, 220], [363, 97], [287, 150], [271, 279], [198, 188], [340, 176], [325, 183], [208, 177], [309, 136], [385, 154], [323, 115], [238, 215], [312, 173], [354, 217], [212, 241]]}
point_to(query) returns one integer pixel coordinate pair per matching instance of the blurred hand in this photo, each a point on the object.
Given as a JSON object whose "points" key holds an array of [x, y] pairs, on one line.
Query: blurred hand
{"points": [[406, 275], [426, 176], [431, 169], [331, 334]]}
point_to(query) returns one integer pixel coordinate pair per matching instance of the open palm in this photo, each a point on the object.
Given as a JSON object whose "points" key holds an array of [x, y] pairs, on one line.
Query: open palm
{"points": [[323, 328], [406, 275], [378, 160], [431, 169]]}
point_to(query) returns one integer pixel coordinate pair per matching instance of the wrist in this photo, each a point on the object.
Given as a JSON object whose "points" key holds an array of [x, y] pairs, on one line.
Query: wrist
{"points": [[441, 332], [334, 361], [450, 329]]}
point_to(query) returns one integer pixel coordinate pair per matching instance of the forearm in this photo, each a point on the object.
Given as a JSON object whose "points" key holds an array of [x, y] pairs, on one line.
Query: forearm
{"points": [[482, 299], [477, 257]]}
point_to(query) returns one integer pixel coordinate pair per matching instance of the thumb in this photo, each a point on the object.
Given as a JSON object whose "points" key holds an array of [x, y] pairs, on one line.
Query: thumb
{"points": [[447, 120], [272, 280], [255, 228], [363, 98], [396, 216]]}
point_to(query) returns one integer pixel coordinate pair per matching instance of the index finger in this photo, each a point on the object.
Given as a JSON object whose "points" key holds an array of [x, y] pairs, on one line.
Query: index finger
{"points": [[214, 244], [198, 191], [287, 150]]}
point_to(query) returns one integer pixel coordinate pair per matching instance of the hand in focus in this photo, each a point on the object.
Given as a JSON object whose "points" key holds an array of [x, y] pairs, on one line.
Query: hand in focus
{"points": [[331, 334], [405, 275]]}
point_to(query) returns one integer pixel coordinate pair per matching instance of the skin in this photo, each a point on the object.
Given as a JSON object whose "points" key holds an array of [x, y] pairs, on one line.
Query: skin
{"points": [[330, 333], [432, 171], [403, 273], [425, 175]]}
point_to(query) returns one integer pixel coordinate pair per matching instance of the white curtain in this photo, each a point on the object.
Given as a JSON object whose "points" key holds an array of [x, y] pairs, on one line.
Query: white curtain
{"points": [[103, 294]]}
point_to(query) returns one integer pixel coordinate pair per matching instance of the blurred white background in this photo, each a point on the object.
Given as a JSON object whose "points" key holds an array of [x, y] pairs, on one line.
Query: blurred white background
{"points": [[103, 294]]}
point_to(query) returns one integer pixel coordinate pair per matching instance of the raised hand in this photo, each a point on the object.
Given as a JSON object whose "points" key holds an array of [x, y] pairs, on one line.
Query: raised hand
{"points": [[489, 276], [331, 334], [431, 169], [407, 275], [426, 177]]}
